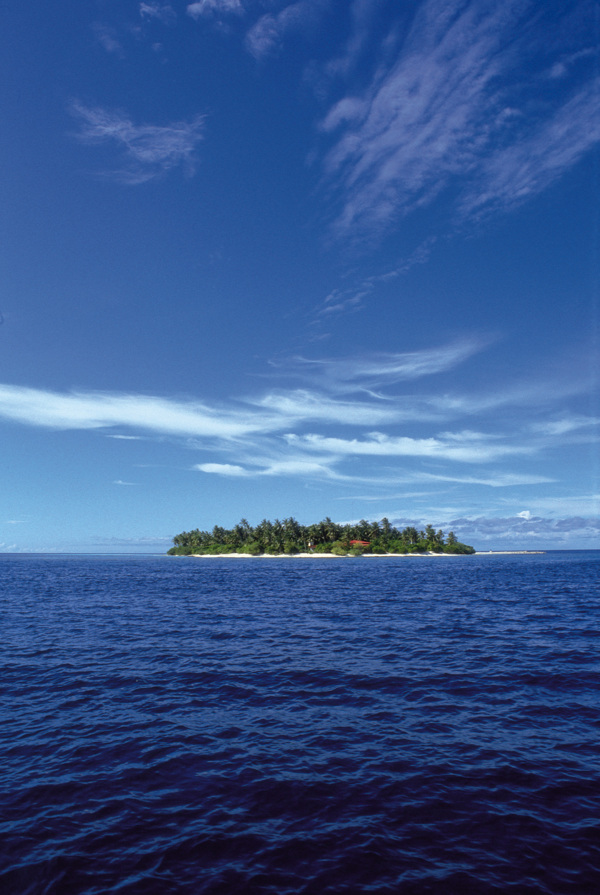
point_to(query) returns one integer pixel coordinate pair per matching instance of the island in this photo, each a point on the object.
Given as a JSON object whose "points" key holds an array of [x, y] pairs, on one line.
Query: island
{"points": [[290, 538]]}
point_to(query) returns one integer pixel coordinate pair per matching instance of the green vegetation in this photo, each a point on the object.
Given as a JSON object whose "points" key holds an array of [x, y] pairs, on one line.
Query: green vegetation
{"points": [[322, 537]]}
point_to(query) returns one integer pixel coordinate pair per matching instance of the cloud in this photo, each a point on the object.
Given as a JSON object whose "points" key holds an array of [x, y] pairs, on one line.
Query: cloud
{"points": [[450, 109], [149, 150], [342, 300], [566, 424], [300, 466], [161, 12], [272, 412], [96, 410], [572, 505], [261, 466], [353, 374], [527, 531], [511, 175], [363, 14], [387, 369], [498, 480], [464, 447], [561, 68], [227, 469], [539, 392], [215, 9], [148, 541], [420, 122], [267, 34], [414, 477], [301, 404], [107, 37], [340, 429]]}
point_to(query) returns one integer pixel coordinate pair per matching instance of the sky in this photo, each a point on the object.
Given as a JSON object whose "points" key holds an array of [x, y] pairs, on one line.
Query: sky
{"points": [[263, 259]]}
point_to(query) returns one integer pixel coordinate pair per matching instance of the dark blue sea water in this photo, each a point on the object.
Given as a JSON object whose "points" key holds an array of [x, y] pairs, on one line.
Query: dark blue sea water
{"points": [[383, 725]]}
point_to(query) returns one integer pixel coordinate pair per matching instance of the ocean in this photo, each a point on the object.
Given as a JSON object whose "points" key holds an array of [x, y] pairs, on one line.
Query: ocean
{"points": [[286, 726]]}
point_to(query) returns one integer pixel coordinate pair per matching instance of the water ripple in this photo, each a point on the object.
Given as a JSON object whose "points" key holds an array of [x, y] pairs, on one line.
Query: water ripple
{"points": [[378, 726]]}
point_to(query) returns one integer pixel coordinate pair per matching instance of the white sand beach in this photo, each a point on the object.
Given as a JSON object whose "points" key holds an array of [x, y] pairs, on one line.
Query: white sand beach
{"points": [[320, 555], [362, 555]]}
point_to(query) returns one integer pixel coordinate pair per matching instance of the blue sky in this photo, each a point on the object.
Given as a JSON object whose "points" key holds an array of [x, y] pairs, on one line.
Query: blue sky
{"points": [[264, 258]]}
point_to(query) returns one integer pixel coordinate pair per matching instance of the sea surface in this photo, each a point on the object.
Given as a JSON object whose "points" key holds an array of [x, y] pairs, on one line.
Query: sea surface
{"points": [[355, 725]]}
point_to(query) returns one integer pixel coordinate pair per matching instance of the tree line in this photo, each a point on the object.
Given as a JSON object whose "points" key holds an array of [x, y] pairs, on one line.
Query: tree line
{"points": [[290, 537]]}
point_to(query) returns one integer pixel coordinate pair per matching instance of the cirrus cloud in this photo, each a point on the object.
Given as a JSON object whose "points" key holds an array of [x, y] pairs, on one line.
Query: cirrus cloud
{"points": [[451, 109], [327, 432], [148, 150]]}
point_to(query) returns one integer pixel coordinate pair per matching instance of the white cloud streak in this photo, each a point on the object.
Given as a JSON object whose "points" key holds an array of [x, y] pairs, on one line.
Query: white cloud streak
{"points": [[354, 374], [464, 447], [295, 466], [566, 424], [298, 432], [226, 469], [303, 405], [95, 411], [149, 150]]}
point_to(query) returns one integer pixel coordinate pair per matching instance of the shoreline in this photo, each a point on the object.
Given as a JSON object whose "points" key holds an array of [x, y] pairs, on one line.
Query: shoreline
{"points": [[363, 555], [507, 552]]}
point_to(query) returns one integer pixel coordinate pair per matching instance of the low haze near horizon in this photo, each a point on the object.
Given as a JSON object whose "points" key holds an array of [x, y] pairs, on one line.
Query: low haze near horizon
{"points": [[307, 258]]}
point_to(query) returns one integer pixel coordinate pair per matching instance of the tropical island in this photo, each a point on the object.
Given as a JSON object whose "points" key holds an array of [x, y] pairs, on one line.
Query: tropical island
{"points": [[289, 537]]}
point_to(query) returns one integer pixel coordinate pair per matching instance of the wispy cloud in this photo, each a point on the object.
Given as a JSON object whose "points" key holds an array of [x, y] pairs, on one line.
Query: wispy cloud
{"points": [[450, 109], [297, 405], [340, 430], [302, 466], [492, 480], [161, 12], [563, 66], [96, 410], [565, 424], [352, 299], [108, 38], [513, 174], [268, 33], [369, 372], [573, 505], [227, 469], [497, 480], [465, 447], [148, 150], [214, 9], [149, 541]]}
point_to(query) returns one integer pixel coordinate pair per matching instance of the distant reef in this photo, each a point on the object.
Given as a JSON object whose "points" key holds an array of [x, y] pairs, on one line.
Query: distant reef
{"points": [[289, 537]]}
